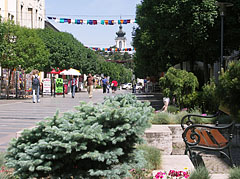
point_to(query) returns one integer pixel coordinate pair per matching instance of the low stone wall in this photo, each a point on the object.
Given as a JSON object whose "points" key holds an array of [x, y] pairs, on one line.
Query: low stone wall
{"points": [[167, 138], [159, 136]]}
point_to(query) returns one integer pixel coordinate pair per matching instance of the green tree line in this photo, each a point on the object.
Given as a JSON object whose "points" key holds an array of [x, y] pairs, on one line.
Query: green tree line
{"points": [[176, 31], [45, 49]]}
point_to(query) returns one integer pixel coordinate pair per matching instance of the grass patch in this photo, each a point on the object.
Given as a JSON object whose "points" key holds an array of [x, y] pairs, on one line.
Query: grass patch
{"points": [[2, 159], [175, 118], [200, 173], [234, 173], [152, 155], [5, 173]]}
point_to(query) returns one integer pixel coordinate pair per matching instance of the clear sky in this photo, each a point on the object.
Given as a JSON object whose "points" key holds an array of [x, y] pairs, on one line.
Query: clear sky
{"points": [[102, 36]]}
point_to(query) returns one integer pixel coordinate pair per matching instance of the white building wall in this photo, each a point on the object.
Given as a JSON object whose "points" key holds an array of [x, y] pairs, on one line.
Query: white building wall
{"points": [[26, 13], [123, 43], [1, 7], [8, 9], [31, 13]]}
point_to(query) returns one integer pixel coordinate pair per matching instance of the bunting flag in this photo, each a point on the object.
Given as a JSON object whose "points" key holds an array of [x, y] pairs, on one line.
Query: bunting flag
{"points": [[92, 22], [112, 49]]}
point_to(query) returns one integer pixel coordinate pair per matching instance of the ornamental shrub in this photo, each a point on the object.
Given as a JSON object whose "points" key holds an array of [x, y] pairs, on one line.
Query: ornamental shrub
{"points": [[229, 88], [181, 85], [209, 97], [93, 142]]}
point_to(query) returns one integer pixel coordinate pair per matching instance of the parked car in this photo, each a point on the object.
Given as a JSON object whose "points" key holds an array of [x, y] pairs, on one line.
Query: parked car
{"points": [[127, 86], [138, 86]]}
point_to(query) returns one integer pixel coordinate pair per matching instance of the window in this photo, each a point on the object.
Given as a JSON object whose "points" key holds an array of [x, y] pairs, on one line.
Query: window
{"points": [[30, 17], [36, 19], [21, 16]]}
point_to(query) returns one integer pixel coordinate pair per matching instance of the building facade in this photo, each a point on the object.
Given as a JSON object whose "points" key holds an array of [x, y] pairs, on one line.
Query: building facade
{"points": [[121, 40], [26, 13]]}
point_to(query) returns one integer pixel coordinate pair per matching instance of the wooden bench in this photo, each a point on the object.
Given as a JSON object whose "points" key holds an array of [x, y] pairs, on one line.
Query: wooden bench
{"points": [[198, 137]]}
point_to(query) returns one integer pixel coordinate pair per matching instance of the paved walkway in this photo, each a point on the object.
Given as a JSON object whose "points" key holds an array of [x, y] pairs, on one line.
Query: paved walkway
{"points": [[15, 115]]}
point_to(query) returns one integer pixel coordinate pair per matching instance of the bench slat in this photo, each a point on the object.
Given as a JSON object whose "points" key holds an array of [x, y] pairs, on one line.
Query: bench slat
{"points": [[221, 140], [209, 142]]}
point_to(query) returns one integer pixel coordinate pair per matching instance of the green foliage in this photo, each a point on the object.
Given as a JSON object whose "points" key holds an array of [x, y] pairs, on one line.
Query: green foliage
{"points": [[172, 109], [200, 173], [115, 71], [173, 21], [234, 173], [140, 173], [209, 97], [5, 173], [229, 88], [181, 85], [171, 32], [163, 118], [175, 118], [21, 46], [152, 156], [67, 52], [95, 141], [2, 159]]}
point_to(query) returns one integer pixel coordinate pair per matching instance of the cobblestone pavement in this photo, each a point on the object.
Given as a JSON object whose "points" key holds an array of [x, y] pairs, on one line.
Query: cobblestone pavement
{"points": [[15, 115]]}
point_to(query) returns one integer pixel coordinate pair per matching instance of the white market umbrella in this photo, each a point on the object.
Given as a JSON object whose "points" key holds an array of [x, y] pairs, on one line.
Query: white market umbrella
{"points": [[74, 72], [65, 72]]}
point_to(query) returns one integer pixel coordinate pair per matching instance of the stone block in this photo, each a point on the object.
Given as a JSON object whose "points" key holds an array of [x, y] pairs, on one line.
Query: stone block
{"points": [[159, 136]]}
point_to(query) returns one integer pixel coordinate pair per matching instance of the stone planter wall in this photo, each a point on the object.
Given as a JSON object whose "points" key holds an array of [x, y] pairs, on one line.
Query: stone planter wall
{"points": [[168, 138], [160, 136]]}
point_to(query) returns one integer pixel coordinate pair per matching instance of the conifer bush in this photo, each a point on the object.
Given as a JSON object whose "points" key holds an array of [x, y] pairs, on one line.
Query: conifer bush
{"points": [[93, 142]]}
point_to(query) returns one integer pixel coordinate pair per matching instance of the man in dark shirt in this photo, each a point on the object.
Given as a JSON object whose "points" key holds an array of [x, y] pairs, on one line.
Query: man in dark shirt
{"points": [[104, 84]]}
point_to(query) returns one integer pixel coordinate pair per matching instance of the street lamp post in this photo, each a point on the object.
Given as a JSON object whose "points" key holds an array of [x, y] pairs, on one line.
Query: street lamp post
{"points": [[222, 10]]}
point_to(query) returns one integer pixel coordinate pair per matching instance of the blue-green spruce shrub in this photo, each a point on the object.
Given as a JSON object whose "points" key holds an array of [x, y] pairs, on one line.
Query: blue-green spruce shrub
{"points": [[93, 142]]}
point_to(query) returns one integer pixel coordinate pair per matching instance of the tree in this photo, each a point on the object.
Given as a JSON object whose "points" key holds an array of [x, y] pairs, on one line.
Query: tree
{"points": [[67, 52], [181, 85], [228, 88], [171, 32], [21, 47]]}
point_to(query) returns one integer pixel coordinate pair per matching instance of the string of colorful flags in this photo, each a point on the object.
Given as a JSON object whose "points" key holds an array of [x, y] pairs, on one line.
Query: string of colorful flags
{"points": [[112, 49], [92, 22]]}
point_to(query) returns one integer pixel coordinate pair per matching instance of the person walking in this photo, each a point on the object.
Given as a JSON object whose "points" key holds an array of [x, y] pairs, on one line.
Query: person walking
{"points": [[134, 86], [104, 84], [73, 86], [90, 83], [108, 87], [35, 86], [114, 86]]}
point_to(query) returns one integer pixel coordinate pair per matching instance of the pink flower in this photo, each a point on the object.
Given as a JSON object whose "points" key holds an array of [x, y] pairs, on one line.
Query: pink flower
{"points": [[132, 170]]}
